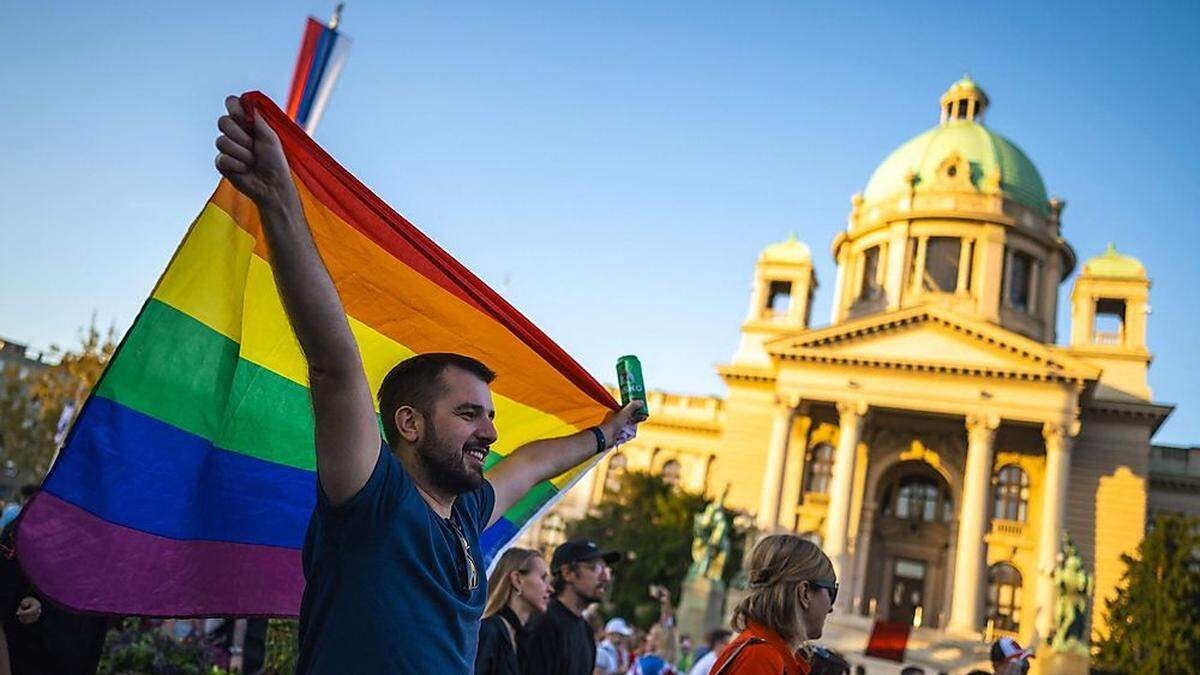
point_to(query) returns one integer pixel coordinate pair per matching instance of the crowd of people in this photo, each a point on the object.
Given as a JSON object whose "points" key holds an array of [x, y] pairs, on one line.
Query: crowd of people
{"points": [[544, 619]]}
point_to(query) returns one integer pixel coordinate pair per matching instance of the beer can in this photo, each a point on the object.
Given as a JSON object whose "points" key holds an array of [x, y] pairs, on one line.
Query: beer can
{"points": [[629, 380]]}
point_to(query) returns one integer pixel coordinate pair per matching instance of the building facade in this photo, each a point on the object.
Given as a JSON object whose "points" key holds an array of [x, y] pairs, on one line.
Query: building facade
{"points": [[935, 437]]}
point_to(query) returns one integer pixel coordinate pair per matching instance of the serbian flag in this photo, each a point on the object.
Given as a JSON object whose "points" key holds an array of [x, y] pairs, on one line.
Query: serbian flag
{"points": [[186, 483], [322, 54]]}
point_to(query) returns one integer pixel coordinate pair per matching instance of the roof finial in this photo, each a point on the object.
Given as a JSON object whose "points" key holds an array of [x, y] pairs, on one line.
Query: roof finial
{"points": [[964, 100]]}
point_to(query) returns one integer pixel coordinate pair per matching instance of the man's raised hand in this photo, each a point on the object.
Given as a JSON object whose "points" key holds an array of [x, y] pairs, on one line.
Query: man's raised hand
{"points": [[621, 426], [252, 160]]}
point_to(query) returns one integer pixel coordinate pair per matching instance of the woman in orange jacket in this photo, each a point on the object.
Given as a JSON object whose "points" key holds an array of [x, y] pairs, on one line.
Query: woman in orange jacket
{"points": [[792, 590]]}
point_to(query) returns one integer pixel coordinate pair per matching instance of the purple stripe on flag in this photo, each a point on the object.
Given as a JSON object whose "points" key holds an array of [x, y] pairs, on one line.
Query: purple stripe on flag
{"points": [[83, 562]]}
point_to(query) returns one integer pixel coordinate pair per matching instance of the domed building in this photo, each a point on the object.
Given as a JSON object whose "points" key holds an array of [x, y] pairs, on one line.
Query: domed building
{"points": [[934, 438]]}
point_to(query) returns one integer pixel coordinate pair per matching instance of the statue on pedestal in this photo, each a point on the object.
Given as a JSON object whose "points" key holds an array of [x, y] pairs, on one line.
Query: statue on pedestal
{"points": [[1074, 589], [711, 531], [703, 598]]}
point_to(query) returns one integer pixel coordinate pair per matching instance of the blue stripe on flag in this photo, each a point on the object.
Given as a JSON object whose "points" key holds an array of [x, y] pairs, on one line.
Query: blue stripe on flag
{"points": [[320, 59], [132, 470], [495, 538]]}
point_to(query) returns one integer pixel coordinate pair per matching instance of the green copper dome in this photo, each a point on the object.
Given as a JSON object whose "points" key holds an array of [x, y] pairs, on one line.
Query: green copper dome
{"points": [[986, 150]]}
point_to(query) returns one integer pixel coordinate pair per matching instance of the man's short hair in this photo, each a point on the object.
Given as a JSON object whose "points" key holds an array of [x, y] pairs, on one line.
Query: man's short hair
{"points": [[416, 382], [558, 582], [716, 636]]}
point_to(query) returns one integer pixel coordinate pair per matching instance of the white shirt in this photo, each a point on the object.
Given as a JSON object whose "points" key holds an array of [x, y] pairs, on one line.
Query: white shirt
{"points": [[704, 663], [609, 659]]}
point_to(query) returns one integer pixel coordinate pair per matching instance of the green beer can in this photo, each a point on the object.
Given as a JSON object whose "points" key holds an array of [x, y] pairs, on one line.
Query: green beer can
{"points": [[629, 379]]}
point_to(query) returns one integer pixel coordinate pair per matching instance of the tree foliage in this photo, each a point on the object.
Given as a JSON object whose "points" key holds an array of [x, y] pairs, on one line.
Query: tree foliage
{"points": [[32, 400], [1154, 620], [650, 523]]}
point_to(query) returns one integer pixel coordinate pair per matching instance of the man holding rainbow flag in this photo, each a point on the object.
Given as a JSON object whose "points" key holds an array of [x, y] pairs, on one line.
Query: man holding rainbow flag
{"points": [[392, 553]]}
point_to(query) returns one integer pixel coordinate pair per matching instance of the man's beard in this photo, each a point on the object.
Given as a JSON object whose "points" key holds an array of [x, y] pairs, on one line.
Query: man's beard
{"points": [[594, 596], [446, 466]]}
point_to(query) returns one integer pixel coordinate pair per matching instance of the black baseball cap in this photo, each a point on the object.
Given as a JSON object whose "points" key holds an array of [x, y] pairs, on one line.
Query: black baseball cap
{"points": [[579, 550]]}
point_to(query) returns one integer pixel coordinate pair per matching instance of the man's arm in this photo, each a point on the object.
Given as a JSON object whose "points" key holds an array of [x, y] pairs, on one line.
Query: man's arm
{"points": [[347, 434], [535, 462]]}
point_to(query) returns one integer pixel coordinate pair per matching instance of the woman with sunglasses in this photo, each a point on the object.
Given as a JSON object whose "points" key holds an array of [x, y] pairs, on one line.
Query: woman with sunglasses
{"points": [[792, 589], [520, 588]]}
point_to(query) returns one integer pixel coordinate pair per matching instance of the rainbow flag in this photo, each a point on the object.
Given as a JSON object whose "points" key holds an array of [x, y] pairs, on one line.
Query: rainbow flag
{"points": [[322, 54], [187, 481]]}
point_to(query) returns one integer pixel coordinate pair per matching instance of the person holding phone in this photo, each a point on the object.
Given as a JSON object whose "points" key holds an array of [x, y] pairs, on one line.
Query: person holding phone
{"points": [[661, 646]]}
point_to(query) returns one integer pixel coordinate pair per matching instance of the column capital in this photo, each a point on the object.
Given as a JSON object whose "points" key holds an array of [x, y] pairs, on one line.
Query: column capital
{"points": [[982, 423], [788, 400], [848, 408], [1058, 435]]}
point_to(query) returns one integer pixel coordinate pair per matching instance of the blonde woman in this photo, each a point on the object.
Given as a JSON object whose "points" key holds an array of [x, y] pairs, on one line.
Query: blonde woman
{"points": [[519, 588], [792, 589]]}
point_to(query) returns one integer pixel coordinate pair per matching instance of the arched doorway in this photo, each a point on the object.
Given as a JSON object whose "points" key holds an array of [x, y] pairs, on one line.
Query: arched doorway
{"points": [[910, 545]]}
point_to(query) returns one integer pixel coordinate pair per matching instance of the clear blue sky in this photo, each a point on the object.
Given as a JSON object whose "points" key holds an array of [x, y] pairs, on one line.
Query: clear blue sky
{"points": [[613, 167]]}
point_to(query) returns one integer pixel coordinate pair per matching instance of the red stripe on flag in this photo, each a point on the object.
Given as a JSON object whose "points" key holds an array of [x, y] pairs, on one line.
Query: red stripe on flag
{"points": [[308, 47], [354, 203]]}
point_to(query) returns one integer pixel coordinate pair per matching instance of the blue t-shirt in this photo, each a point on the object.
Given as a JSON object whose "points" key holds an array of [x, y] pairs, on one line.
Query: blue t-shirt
{"points": [[385, 580]]}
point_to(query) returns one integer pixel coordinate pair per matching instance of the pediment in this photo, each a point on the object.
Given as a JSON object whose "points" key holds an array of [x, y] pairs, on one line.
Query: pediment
{"points": [[931, 339]]}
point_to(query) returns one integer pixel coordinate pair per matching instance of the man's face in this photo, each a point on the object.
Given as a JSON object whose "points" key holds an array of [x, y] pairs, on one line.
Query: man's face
{"points": [[589, 579], [459, 430]]}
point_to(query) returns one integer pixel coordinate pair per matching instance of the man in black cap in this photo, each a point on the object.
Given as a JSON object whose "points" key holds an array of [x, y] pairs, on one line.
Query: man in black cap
{"points": [[560, 641]]}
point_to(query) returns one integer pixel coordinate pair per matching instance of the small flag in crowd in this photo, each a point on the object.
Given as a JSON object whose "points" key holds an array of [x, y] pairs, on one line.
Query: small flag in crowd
{"points": [[188, 478], [322, 54]]}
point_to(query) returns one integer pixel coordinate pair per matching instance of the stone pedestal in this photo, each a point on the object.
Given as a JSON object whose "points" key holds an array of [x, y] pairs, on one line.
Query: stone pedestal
{"points": [[700, 607], [1050, 662]]}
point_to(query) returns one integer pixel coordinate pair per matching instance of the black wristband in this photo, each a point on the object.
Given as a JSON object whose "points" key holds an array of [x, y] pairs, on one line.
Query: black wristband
{"points": [[601, 441]]}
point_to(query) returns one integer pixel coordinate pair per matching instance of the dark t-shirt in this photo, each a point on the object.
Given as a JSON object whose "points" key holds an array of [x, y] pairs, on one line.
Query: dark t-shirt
{"points": [[386, 580], [557, 642], [496, 655]]}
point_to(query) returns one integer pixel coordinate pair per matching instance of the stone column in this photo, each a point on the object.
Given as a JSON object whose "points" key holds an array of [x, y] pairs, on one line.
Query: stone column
{"points": [[781, 431], [850, 423], [793, 472], [970, 551], [862, 550], [1050, 530]]}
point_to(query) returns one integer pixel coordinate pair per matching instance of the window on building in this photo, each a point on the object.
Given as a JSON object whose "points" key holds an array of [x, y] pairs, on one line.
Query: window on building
{"points": [[1010, 487], [1020, 281], [1109, 326], [820, 468], [616, 471], [779, 297], [941, 264], [871, 286], [918, 498], [970, 262], [1004, 597], [552, 533], [672, 472]]}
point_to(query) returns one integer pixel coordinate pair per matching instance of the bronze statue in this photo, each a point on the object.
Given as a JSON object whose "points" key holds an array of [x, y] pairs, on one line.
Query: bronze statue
{"points": [[1074, 589], [710, 540]]}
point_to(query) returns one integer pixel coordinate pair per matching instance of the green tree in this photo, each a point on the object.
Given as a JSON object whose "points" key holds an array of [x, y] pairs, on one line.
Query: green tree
{"points": [[32, 401], [650, 522], [1154, 620]]}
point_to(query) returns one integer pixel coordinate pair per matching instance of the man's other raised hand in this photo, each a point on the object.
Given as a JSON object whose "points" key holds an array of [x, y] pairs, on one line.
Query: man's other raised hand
{"points": [[251, 157]]}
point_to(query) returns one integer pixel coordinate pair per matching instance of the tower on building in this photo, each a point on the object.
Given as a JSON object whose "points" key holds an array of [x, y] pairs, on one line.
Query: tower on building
{"points": [[780, 300]]}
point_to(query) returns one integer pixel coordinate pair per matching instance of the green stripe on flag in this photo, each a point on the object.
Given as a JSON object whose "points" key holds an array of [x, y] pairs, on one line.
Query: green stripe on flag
{"points": [[178, 371]]}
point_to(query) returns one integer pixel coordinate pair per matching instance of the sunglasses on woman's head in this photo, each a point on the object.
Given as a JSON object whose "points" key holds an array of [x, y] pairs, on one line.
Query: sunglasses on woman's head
{"points": [[831, 586]]}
